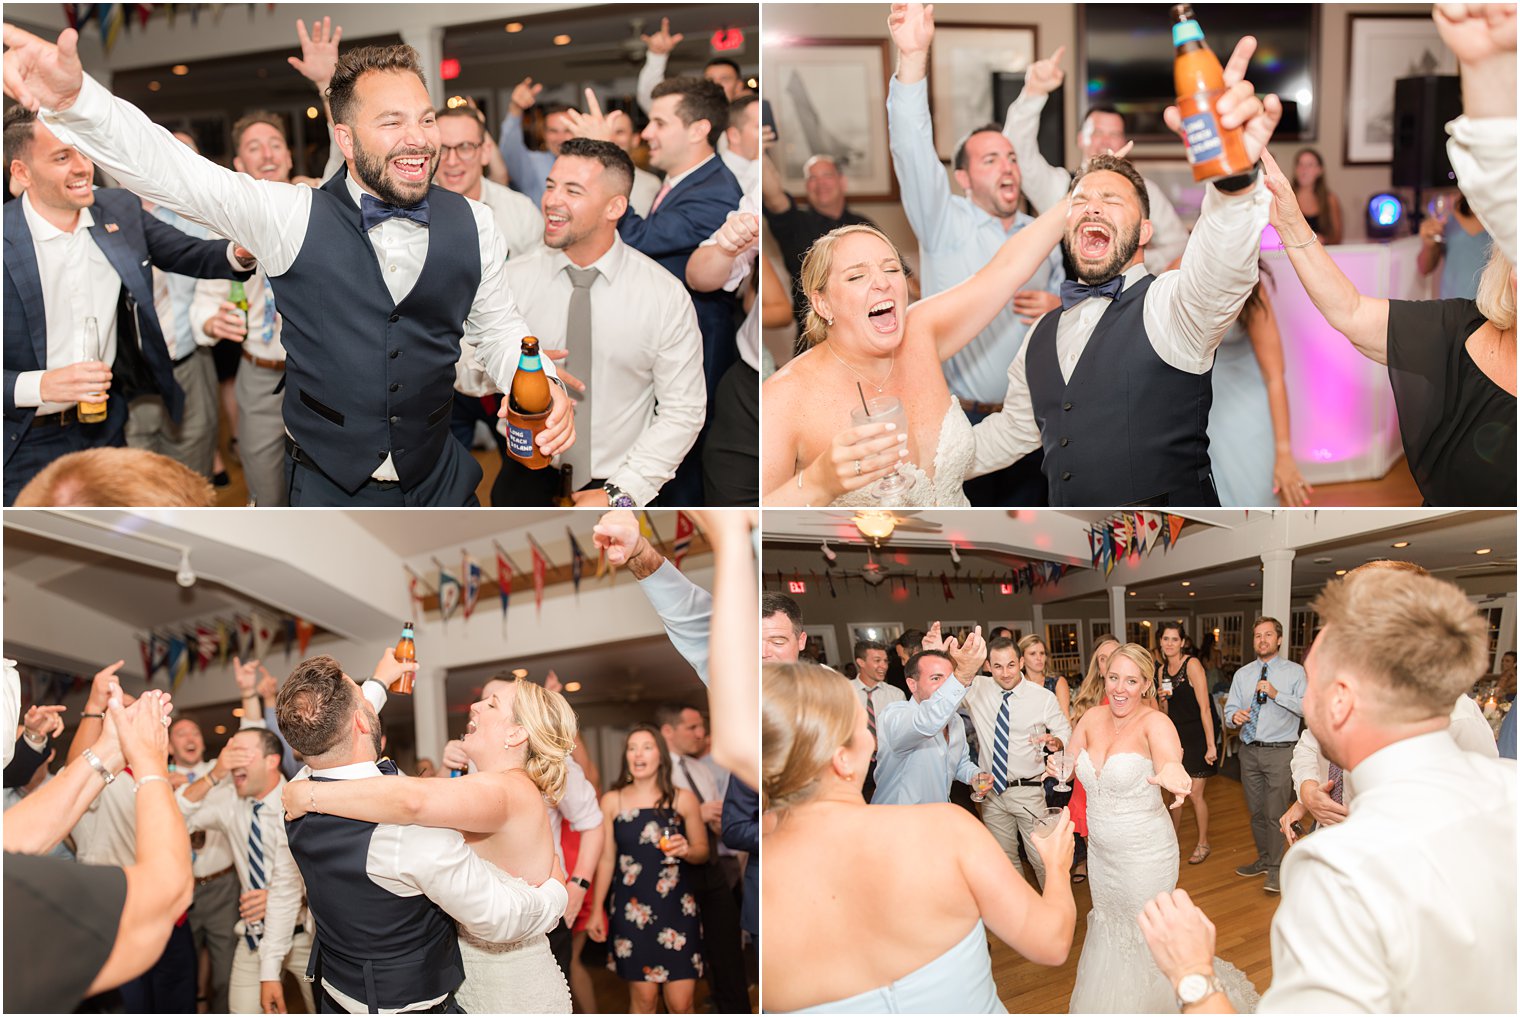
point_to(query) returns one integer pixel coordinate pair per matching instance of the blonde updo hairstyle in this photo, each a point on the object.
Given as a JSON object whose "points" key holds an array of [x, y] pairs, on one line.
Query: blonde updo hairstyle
{"points": [[816, 266], [550, 724], [808, 714], [1141, 658]]}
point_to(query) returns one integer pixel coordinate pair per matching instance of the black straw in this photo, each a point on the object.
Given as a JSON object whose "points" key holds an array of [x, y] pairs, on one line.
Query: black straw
{"points": [[863, 404]]}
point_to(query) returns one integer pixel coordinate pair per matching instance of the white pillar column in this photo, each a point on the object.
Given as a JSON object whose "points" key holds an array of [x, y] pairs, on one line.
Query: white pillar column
{"points": [[430, 714], [428, 42], [1038, 611], [1117, 617], [1277, 591]]}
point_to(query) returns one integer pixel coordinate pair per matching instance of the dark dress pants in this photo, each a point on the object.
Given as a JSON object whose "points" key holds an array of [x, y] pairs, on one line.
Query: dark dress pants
{"points": [[450, 484]]}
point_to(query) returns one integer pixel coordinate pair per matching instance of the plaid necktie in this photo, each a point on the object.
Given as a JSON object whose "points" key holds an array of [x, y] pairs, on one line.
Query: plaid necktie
{"points": [[1000, 748], [1248, 732], [255, 930], [1337, 785]]}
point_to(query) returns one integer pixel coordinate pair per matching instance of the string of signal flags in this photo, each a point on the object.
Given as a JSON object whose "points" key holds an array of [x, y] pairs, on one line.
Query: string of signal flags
{"points": [[459, 588]]}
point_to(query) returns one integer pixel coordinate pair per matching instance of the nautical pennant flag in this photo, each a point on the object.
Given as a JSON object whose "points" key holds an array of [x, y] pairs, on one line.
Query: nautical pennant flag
{"points": [[577, 561], [472, 574], [540, 569], [448, 592], [304, 632], [503, 582], [684, 529]]}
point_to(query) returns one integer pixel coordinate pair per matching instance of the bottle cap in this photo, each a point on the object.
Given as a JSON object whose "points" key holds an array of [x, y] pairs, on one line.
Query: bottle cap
{"points": [[1186, 31]]}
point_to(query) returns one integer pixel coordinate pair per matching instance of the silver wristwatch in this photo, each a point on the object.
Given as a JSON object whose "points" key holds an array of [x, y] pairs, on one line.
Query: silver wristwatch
{"points": [[1196, 988]]}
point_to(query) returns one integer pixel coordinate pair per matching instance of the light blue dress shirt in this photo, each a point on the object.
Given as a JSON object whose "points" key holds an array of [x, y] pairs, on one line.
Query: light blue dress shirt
{"points": [[685, 609], [915, 764], [955, 240], [179, 333], [527, 168], [1277, 719]]}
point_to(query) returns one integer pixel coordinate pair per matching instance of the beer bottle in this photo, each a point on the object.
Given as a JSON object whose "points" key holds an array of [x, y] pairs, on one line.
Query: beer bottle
{"points": [[92, 411], [528, 407], [239, 296], [405, 653], [1212, 150], [566, 486]]}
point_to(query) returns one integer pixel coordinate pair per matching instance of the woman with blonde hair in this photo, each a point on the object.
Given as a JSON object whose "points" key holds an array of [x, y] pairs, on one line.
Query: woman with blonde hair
{"points": [[1036, 657], [519, 737], [866, 343], [1451, 362], [927, 930], [1126, 756], [1089, 694]]}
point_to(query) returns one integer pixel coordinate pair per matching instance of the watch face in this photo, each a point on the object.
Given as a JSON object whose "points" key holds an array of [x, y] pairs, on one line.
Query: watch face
{"points": [[1192, 988]]}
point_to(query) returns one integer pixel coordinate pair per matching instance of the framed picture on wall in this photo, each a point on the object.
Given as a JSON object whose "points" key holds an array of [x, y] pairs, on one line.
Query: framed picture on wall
{"points": [[881, 632], [822, 645], [830, 98], [1380, 49], [963, 62]]}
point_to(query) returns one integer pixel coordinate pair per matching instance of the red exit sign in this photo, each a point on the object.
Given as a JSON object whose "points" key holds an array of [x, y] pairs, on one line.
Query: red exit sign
{"points": [[796, 586], [448, 70], [727, 39], [1006, 589]]}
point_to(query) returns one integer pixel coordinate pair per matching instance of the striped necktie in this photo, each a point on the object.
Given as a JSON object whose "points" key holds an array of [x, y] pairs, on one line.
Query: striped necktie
{"points": [[1248, 731], [871, 719], [1000, 748], [255, 930]]}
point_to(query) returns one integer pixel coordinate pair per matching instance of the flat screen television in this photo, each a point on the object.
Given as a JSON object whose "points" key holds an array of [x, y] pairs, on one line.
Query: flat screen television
{"points": [[1126, 60]]}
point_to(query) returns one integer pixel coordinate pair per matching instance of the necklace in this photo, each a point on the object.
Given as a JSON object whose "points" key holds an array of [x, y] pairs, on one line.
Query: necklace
{"points": [[891, 366]]}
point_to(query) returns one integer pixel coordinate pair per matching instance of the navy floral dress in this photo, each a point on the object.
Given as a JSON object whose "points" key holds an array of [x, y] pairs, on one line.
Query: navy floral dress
{"points": [[655, 928]]}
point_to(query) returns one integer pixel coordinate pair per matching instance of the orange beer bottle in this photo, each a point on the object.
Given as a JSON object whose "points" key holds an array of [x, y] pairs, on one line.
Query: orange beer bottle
{"points": [[93, 411], [405, 653], [528, 407], [1212, 150]]}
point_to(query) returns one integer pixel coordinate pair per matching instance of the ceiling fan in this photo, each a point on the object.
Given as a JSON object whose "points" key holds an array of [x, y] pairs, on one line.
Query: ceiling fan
{"points": [[877, 525]]}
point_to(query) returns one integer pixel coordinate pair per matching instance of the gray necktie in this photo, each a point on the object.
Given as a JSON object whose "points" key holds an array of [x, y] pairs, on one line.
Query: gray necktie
{"points": [[579, 343]]}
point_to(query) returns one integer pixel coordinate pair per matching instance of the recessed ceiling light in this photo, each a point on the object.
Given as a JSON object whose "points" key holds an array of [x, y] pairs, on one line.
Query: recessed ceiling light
{"points": [[1340, 572], [1133, 593], [572, 686], [220, 729], [519, 672], [1192, 593], [180, 70], [514, 26], [1186, 583], [561, 40], [1484, 550], [154, 86], [1253, 586], [312, 112], [238, 712], [1401, 543]]}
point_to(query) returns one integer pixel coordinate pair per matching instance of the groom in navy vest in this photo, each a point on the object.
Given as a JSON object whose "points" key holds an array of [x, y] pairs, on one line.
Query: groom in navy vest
{"points": [[1116, 386], [386, 898], [379, 276]]}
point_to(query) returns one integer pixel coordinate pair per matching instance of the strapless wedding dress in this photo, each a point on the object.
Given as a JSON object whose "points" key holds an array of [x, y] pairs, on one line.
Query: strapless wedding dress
{"points": [[953, 457], [1131, 857], [520, 977]]}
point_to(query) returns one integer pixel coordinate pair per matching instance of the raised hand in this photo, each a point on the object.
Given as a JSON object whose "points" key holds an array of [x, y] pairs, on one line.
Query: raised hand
{"points": [[969, 656], [44, 721], [911, 27], [319, 52], [1284, 214], [739, 232], [933, 640], [618, 534], [101, 686], [388, 668], [246, 675], [143, 731], [1045, 76], [525, 94], [1238, 105], [268, 687], [39, 73], [1476, 32], [590, 124], [663, 41]]}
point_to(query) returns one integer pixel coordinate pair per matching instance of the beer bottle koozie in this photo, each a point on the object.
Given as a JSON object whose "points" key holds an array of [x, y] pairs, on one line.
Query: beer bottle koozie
{"points": [[528, 407]]}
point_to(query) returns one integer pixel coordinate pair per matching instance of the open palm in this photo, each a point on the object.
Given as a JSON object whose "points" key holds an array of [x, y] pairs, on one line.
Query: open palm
{"points": [[39, 73]]}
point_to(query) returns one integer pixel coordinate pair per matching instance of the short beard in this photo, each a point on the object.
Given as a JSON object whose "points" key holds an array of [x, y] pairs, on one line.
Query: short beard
{"points": [[371, 172], [1122, 250]]}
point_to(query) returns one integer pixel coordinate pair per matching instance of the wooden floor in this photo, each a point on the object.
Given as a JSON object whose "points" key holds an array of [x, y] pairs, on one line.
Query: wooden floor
{"points": [[1240, 910]]}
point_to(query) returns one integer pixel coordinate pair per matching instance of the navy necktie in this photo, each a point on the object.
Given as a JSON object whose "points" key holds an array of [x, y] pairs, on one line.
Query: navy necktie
{"points": [[373, 212], [1074, 292]]}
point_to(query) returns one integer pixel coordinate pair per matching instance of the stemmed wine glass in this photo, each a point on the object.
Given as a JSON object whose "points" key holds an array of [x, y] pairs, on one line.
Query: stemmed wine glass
{"points": [[1438, 207], [1064, 766], [668, 832], [980, 785]]}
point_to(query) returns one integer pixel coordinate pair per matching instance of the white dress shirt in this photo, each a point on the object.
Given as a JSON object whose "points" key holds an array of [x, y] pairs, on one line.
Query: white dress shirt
{"points": [[1045, 184], [1032, 709], [921, 748], [1409, 905], [224, 811], [107, 832], [882, 695], [1187, 313], [411, 861], [518, 219], [270, 219], [645, 186], [1482, 153], [746, 171], [648, 394], [174, 294], [78, 282], [578, 806], [216, 854], [1469, 729], [743, 267], [10, 706]]}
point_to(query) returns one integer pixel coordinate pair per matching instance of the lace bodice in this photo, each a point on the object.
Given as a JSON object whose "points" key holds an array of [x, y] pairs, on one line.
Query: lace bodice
{"points": [[953, 456]]}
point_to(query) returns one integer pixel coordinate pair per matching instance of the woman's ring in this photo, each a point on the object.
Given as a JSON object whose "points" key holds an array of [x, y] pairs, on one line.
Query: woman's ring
{"points": [[857, 467]]}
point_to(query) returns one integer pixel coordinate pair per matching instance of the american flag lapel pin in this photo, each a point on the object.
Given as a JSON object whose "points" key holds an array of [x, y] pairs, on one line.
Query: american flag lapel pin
{"points": [[111, 227]]}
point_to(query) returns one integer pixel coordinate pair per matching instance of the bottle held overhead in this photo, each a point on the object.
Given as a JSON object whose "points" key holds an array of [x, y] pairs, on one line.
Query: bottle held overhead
{"points": [[1212, 150], [405, 653]]}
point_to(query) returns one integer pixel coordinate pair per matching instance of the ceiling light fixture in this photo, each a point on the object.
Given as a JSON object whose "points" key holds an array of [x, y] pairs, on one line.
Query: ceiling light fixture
{"points": [[561, 40], [180, 70], [519, 672], [1484, 550], [1401, 543], [1186, 583], [514, 26], [186, 575], [875, 524], [572, 686]]}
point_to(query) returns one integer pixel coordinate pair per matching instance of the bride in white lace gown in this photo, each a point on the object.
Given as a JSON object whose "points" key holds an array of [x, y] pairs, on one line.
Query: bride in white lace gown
{"points": [[866, 343], [519, 737], [1127, 753]]}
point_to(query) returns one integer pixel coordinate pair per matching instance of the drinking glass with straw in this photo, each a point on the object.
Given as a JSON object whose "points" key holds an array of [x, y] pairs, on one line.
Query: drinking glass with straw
{"points": [[883, 410]]}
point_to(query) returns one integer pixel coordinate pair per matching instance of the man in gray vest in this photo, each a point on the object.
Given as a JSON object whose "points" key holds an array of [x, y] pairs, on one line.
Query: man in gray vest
{"points": [[378, 275], [1115, 386]]}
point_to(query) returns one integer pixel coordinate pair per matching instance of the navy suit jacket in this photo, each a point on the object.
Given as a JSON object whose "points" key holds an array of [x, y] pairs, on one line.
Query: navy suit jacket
{"points": [[741, 831], [688, 215], [136, 244]]}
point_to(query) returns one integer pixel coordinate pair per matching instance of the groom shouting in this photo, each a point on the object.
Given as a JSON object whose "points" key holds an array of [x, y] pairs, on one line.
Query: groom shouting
{"points": [[386, 897], [1115, 386], [378, 275]]}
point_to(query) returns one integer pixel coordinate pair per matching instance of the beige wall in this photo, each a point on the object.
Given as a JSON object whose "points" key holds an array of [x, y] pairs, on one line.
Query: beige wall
{"points": [[1056, 24]]}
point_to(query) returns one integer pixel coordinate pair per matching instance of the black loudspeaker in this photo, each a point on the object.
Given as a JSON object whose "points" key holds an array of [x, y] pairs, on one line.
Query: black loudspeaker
{"points": [[1421, 109], [1006, 86]]}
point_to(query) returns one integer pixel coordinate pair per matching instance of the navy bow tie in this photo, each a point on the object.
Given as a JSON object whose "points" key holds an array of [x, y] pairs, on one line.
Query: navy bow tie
{"points": [[1074, 292], [373, 212]]}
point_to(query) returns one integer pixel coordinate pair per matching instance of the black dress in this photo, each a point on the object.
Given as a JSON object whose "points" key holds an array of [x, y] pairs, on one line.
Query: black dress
{"points": [[1182, 707], [1458, 427]]}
